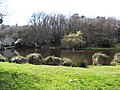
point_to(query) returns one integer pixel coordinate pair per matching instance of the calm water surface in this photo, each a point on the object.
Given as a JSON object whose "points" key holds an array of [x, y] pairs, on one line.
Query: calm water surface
{"points": [[76, 56]]}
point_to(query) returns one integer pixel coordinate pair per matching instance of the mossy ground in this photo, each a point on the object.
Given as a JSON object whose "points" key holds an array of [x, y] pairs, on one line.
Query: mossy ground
{"points": [[43, 77]]}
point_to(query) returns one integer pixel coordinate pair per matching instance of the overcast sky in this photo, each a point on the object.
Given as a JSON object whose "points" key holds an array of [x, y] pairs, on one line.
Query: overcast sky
{"points": [[21, 10]]}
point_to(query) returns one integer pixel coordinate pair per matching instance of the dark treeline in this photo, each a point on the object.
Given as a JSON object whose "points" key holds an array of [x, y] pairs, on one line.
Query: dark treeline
{"points": [[48, 30]]}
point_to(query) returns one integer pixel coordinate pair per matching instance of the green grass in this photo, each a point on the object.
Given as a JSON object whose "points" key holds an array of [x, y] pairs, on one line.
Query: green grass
{"points": [[98, 48], [114, 47], [42, 77], [117, 46]]}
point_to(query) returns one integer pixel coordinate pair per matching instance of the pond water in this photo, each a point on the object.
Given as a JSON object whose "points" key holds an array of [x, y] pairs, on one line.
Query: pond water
{"points": [[76, 56]]}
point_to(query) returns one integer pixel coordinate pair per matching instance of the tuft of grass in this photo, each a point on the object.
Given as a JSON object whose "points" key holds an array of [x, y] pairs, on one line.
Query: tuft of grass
{"points": [[100, 58], [99, 55], [42, 77], [18, 60], [52, 60], [83, 64], [3, 58], [117, 57], [35, 58], [66, 62], [113, 63]]}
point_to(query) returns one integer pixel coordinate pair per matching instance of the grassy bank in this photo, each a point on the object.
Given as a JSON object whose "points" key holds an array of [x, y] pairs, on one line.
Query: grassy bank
{"points": [[98, 48], [114, 47], [41, 77]]}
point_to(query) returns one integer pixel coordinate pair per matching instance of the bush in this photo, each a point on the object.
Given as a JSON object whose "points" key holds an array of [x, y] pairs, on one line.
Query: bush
{"points": [[3, 58], [66, 62], [18, 60], [117, 57], [105, 43], [100, 59], [35, 58], [83, 64], [52, 60], [113, 63], [72, 40]]}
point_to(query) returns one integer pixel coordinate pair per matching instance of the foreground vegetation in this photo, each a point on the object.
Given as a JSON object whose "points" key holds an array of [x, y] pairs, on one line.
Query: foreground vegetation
{"points": [[42, 77]]}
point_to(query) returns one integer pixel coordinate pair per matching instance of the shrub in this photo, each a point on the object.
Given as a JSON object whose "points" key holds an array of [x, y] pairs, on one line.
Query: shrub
{"points": [[113, 63], [35, 58], [101, 59], [105, 43], [117, 57], [18, 60], [52, 60], [83, 64], [3, 58], [72, 40], [66, 62]]}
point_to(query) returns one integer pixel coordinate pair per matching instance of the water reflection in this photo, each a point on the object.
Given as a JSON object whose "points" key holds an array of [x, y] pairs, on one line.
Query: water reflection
{"points": [[8, 53], [75, 56]]}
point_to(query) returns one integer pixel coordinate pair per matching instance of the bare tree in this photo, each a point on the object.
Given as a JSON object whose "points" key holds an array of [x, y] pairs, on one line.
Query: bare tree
{"points": [[49, 29], [3, 8]]}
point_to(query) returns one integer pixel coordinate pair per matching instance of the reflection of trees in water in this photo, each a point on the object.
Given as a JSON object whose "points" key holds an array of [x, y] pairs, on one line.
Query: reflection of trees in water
{"points": [[17, 53], [75, 56], [56, 53], [43, 52], [8, 53], [26, 51]]}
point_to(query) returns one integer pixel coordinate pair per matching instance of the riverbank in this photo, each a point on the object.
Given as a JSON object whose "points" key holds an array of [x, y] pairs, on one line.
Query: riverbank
{"points": [[98, 48], [44, 77], [115, 47]]}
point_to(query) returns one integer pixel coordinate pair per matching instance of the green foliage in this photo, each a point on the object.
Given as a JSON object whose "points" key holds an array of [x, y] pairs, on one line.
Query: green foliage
{"points": [[33, 77], [3, 58], [100, 58], [18, 60], [117, 46], [52, 60], [105, 43], [35, 58], [72, 40], [117, 57]]}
